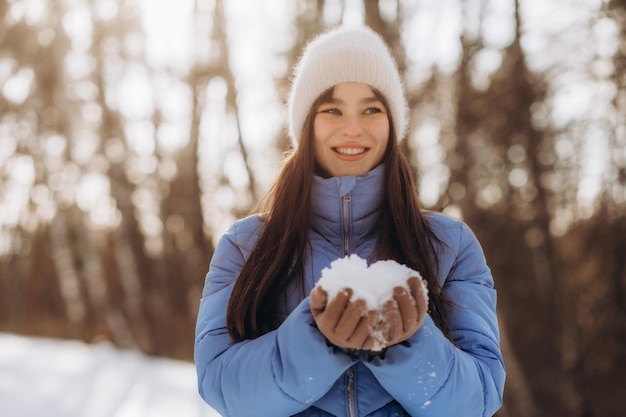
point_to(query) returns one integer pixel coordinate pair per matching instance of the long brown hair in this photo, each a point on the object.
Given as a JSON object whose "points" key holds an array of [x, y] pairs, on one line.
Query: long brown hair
{"points": [[279, 254]]}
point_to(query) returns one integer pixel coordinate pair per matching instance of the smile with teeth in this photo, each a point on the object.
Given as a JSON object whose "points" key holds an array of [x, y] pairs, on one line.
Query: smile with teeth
{"points": [[350, 151]]}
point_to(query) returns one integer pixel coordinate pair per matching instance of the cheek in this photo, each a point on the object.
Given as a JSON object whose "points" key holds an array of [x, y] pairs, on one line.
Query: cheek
{"points": [[380, 153], [320, 130], [318, 147], [382, 139], [381, 133], [317, 138], [379, 128]]}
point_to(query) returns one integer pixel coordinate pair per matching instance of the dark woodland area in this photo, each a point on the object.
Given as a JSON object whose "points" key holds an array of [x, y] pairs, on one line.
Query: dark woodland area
{"points": [[130, 267]]}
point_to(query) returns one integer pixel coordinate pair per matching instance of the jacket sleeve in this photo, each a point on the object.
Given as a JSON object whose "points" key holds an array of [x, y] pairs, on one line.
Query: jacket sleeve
{"points": [[279, 373], [430, 376]]}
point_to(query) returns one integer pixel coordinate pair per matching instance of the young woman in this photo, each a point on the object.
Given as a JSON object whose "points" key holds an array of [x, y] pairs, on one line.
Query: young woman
{"points": [[267, 345]]}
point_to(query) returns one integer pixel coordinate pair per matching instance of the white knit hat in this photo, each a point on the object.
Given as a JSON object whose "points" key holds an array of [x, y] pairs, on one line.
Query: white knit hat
{"points": [[341, 55]]}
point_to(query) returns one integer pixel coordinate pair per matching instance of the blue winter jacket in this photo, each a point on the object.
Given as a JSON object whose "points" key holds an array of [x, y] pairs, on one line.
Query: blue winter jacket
{"points": [[294, 371]]}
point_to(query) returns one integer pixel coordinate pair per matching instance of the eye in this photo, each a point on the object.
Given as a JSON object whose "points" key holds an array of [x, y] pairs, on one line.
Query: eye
{"points": [[373, 110], [329, 110]]}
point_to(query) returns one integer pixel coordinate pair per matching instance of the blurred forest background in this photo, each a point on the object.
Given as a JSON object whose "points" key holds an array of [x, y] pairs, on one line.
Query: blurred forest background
{"points": [[133, 132]]}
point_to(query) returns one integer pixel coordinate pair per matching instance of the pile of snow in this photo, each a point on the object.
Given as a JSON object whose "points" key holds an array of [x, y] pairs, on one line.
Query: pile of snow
{"points": [[374, 284], [52, 378]]}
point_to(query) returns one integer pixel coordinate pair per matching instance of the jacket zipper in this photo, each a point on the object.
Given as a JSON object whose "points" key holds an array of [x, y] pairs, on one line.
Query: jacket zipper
{"points": [[346, 251], [346, 224], [350, 376]]}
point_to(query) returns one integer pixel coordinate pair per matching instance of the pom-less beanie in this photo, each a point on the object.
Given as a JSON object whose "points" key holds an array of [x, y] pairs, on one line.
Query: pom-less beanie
{"points": [[355, 54]]}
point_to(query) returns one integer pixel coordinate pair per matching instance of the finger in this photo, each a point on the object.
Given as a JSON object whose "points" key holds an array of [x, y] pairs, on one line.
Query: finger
{"points": [[391, 314], [362, 332], [407, 307], [368, 344], [376, 340], [334, 310], [381, 331], [318, 300], [418, 291], [350, 319]]}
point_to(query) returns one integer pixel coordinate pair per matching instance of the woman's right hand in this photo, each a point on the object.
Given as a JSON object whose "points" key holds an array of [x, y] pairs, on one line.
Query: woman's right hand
{"points": [[344, 323]]}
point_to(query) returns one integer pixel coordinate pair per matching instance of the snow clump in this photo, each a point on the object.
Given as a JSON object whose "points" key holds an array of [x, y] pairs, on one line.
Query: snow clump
{"points": [[374, 283]]}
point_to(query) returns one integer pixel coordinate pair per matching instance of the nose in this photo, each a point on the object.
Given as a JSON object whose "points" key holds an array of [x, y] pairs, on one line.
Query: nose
{"points": [[352, 126]]}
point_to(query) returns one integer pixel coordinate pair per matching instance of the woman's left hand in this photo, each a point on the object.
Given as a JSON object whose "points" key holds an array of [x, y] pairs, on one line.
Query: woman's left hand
{"points": [[401, 316]]}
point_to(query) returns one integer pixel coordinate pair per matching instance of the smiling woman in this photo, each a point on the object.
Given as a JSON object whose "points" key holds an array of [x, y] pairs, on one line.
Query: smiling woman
{"points": [[347, 189], [350, 130]]}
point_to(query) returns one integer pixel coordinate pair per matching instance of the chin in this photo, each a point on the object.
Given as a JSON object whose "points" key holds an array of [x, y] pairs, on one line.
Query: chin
{"points": [[351, 174]]}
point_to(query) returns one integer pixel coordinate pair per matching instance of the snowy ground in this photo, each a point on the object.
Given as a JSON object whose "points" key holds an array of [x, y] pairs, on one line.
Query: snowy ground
{"points": [[52, 378]]}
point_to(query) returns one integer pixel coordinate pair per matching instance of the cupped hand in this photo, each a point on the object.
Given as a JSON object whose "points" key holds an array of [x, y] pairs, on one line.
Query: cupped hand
{"points": [[345, 323], [400, 317]]}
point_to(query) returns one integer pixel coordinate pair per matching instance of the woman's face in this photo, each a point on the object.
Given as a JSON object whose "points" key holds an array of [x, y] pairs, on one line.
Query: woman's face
{"points": [[350, 131]]}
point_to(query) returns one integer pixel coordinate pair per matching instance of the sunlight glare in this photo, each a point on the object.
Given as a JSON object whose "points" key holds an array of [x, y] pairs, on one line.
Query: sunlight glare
{"points": [[489, 195], [7, 65], [17, 88], [431, 37], [140, 137], [22, 170], [107, 9], [92, 190], [172, 135], [21, 175], [518, 177], [41, 195], [498, 28], [134, 94], [34, 10], [86, 147], [430, 156], [78, 65], [77, 23], [571, 102], [168, 33], [8, 145]]}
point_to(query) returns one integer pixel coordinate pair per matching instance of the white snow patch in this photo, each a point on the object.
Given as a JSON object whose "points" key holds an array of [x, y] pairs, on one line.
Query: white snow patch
{"points": [[53, 378], [374, 284]]}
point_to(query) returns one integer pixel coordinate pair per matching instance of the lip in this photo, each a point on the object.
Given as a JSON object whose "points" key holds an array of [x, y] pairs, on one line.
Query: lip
{"points": [[350, 153]]}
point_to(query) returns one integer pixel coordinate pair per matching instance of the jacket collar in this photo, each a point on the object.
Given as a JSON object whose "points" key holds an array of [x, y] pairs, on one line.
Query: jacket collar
{"points": [[366, 195]]}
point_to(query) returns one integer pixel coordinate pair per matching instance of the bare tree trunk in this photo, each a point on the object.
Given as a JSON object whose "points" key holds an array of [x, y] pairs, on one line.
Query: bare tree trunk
{"points": [[132, 290], [461, 158], [220, 36], [615, 191], [69, 279], [520, 401]]}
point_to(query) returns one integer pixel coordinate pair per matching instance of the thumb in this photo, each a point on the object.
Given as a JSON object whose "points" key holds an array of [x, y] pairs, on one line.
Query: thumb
{"points": [[408, 308], [419, 292]]}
